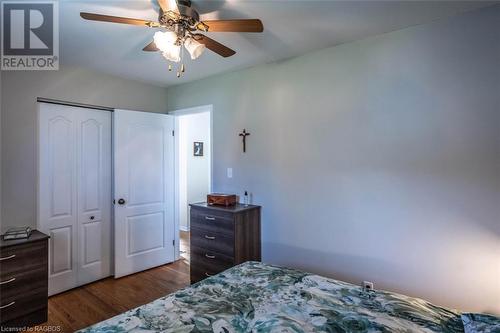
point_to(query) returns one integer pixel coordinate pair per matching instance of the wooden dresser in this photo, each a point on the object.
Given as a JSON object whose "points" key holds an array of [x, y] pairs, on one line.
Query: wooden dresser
{"points": [[24, 281], [222, 237]]}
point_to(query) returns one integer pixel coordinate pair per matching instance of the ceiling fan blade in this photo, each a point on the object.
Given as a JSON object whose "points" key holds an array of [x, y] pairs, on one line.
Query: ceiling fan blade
{"points": [[246, 25], [117, 19], [151, 47], [168, 6], [216, 47]]}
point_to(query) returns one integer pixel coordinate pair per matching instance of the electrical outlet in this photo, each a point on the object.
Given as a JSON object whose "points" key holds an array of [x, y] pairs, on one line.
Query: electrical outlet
{"points": [[367, 285], [229, 172]]}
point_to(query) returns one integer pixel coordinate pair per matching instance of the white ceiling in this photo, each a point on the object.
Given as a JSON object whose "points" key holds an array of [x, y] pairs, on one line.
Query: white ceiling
{"points": [[291, 28]]}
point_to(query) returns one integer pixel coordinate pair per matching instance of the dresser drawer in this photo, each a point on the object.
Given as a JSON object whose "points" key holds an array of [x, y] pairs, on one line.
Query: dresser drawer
{"points": [[21, 258], [20, 283], [212, 241], [206, 263], [198, 274], [23, 305], [212, 212], [213, 221]]}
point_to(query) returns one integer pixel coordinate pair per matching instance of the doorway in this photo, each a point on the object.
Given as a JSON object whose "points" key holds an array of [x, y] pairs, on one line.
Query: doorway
{"points": [[193, 152]]}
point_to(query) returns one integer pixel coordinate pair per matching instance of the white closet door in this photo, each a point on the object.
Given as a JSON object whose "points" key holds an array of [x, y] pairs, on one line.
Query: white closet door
{"points": [[94, 194], [144, 190], [74, 193], [57, 193]]}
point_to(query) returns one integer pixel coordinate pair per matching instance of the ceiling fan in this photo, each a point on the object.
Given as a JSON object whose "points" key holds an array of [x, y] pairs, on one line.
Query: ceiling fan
{"points": [[180, 26]]}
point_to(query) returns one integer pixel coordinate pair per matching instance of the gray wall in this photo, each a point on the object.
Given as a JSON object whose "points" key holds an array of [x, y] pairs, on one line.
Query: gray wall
{"points": [[375, 160], [19, 91]]}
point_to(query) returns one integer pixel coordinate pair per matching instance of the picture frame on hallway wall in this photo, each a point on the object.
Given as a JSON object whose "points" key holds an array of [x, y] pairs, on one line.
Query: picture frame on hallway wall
{"points": [[198, 149]]}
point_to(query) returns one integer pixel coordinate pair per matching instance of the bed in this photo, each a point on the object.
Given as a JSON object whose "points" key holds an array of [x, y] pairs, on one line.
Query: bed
{"points": [[256, 297]]}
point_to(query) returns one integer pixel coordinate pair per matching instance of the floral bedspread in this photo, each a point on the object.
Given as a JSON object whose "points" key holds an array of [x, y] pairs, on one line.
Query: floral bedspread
{"points": [[255, 297]]}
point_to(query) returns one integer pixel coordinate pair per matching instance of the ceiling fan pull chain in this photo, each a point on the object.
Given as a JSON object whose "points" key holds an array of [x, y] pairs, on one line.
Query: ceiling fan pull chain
{"points": [[181, 68], [178, 67]]}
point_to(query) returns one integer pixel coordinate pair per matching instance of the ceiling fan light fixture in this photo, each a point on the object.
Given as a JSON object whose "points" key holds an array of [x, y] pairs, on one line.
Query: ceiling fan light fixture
{"points": [[179, 22], [194, 48]]}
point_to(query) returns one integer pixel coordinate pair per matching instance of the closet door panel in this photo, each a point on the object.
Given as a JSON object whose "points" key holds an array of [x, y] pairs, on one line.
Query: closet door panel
{"points": [[60, 251], [74, 199], [57, 193], [61, 167], [92, 240], [94, 194]]}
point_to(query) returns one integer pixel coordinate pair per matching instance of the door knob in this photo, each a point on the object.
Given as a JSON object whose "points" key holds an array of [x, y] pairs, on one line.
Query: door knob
{"points": [[121, 201]]}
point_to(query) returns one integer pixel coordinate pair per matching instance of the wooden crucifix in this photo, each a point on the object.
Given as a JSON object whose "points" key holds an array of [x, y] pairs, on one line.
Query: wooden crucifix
{"points": [[244, 138]]}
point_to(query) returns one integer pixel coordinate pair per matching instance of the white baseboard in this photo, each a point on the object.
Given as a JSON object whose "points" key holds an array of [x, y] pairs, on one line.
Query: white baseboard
{"points": [[183, 228]]}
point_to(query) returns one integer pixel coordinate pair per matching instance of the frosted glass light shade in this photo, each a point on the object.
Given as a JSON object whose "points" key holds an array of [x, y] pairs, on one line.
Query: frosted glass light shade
{"points": [[194, 48], [173, 53], [165, 41]]}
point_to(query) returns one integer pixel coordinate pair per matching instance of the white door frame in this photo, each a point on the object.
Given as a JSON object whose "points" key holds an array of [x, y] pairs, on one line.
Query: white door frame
{"points": [[198, 109]]}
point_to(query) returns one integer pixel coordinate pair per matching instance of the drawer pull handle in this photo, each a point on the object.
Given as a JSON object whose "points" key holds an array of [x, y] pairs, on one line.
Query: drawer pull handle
{"points": [[208, 275], [6, 306], [8, 281], [209, 256], [210, 237], [7, 258], [210, 218]]}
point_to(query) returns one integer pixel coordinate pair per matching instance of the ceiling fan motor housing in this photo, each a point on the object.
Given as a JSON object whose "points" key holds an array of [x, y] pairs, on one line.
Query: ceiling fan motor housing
{"points": [[189, 13], [186, 14], [186, 3]]}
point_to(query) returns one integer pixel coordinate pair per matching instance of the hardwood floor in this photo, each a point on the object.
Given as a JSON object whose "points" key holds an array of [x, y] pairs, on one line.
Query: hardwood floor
{"points": [[92, 303]]}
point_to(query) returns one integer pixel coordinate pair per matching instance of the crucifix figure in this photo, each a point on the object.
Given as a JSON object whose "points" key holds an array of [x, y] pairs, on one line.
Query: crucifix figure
{"points": [[244, 138]]}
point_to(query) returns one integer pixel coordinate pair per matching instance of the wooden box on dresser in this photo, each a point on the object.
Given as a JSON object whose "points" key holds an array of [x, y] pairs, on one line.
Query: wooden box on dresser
{"points": [[222, 237], [24, 281]]}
